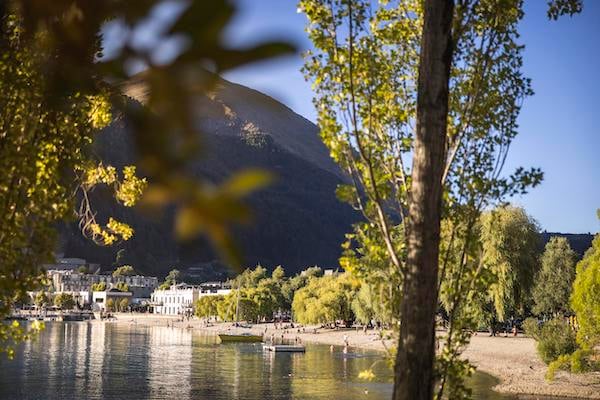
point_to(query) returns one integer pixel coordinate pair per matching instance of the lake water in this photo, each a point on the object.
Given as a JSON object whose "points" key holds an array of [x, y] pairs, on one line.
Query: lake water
{"points": [[105, 361]]}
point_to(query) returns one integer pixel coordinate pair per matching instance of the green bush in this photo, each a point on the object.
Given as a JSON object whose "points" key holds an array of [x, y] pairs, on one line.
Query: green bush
{"points": [[581, 362], [531, 326], [578, 362], [555, 338]]}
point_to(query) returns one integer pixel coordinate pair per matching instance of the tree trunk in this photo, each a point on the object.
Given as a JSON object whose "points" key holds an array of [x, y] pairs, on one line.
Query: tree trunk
{"points": [[414, 373]]}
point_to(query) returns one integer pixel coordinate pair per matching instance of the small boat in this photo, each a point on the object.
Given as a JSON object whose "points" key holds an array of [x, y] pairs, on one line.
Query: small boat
{"points": [[286, 348], [242, 337]]}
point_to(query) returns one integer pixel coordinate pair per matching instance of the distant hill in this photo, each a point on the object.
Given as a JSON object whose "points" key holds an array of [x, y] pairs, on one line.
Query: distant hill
{"points": [[298, 220], [579, 242]]}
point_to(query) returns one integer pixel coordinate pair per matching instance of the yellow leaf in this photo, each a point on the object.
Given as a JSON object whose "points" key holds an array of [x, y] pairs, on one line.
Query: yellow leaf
{"points": [[366, 374], [246, 182]]}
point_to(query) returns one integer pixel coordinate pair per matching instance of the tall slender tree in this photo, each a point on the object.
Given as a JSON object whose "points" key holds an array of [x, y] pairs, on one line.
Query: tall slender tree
{"points": [[414, 373], [370, 71]]}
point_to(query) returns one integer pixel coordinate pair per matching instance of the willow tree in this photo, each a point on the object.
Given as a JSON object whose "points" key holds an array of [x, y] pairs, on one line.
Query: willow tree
{"points": [[441, 85], [510, 241]]}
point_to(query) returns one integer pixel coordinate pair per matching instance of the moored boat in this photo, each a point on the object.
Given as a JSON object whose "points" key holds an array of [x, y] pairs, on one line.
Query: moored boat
{"points": [[242, 337]]}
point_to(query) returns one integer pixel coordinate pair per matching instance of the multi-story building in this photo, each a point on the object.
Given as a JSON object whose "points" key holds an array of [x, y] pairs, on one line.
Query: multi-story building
{"points": [[70, 281], [179, 299]]}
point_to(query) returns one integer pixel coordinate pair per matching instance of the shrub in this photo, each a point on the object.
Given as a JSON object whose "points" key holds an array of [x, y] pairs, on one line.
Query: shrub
{"points": [[580, 361], [555, 339], [531, 326], [123, 304], [562, 362]]}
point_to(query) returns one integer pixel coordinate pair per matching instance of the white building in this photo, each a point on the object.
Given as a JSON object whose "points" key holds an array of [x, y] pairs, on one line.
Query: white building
{"points": [[179, 299]]}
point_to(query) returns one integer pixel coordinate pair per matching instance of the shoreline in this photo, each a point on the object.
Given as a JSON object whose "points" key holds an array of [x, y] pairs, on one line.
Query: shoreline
{"points": [[512, 360]]}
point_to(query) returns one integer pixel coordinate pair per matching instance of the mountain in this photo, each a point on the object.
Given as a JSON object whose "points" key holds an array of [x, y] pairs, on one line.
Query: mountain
{"points": [[298, 221]]}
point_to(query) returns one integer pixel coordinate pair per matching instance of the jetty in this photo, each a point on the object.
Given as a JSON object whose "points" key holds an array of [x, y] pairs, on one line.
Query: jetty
{"points": [[285, 348]]}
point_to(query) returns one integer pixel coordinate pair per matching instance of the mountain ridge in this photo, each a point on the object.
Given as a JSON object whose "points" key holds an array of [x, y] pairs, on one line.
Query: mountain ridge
{"points": [[298, 220]]}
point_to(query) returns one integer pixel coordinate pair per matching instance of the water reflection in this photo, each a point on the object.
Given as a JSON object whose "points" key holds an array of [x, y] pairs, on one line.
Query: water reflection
{"points": [[109, 361]]}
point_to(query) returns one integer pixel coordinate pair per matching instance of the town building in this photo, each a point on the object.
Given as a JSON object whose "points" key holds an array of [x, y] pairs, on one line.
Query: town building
{"points": [[69, 281], [100, 299], [179, 299]]}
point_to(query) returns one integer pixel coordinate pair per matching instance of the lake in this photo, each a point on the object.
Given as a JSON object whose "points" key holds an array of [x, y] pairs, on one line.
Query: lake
{"points": [[95, 360]]}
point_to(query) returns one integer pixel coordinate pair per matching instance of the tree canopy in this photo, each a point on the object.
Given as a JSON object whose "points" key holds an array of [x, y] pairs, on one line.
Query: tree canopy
{"points": [[554, 281], [585, 299], [124, 270], [171, 279], [64, 301], [510, 246]]}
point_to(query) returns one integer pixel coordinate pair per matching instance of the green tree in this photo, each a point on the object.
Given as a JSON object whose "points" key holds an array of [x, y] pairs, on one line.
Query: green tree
{"points": [[124, 270], [41, 299], [171, 279], [291, 285], [226, 308], [585, 299], [250, 277], [64, 301], [278, 273], [99, 287], [122, 286], [325, 300], [110, 304], [123, 304], [441, 86], [510, 242], [207, 306], [554, 281]]}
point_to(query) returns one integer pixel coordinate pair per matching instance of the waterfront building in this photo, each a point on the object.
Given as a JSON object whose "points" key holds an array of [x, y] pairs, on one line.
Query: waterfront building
{"points": [[99, 299], [179, 299], [71, 281]]}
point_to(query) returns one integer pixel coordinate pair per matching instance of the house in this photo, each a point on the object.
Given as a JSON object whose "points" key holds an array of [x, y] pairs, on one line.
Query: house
{"points": [[99, 299]]}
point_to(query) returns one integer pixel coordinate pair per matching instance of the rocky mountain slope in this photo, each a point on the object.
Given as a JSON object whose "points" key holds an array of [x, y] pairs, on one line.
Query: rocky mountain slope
{"points": [[298, 220]]}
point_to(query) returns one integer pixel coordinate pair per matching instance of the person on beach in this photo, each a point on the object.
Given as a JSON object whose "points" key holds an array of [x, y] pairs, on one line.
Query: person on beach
{"points": [[346, 340]]}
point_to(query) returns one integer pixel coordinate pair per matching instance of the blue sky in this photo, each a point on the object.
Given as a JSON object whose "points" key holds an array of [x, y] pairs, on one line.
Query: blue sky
{"points": [[558, 131]]}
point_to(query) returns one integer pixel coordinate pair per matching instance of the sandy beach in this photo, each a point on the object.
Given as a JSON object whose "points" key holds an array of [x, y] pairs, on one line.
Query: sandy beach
{"points": [[511, 359]]}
